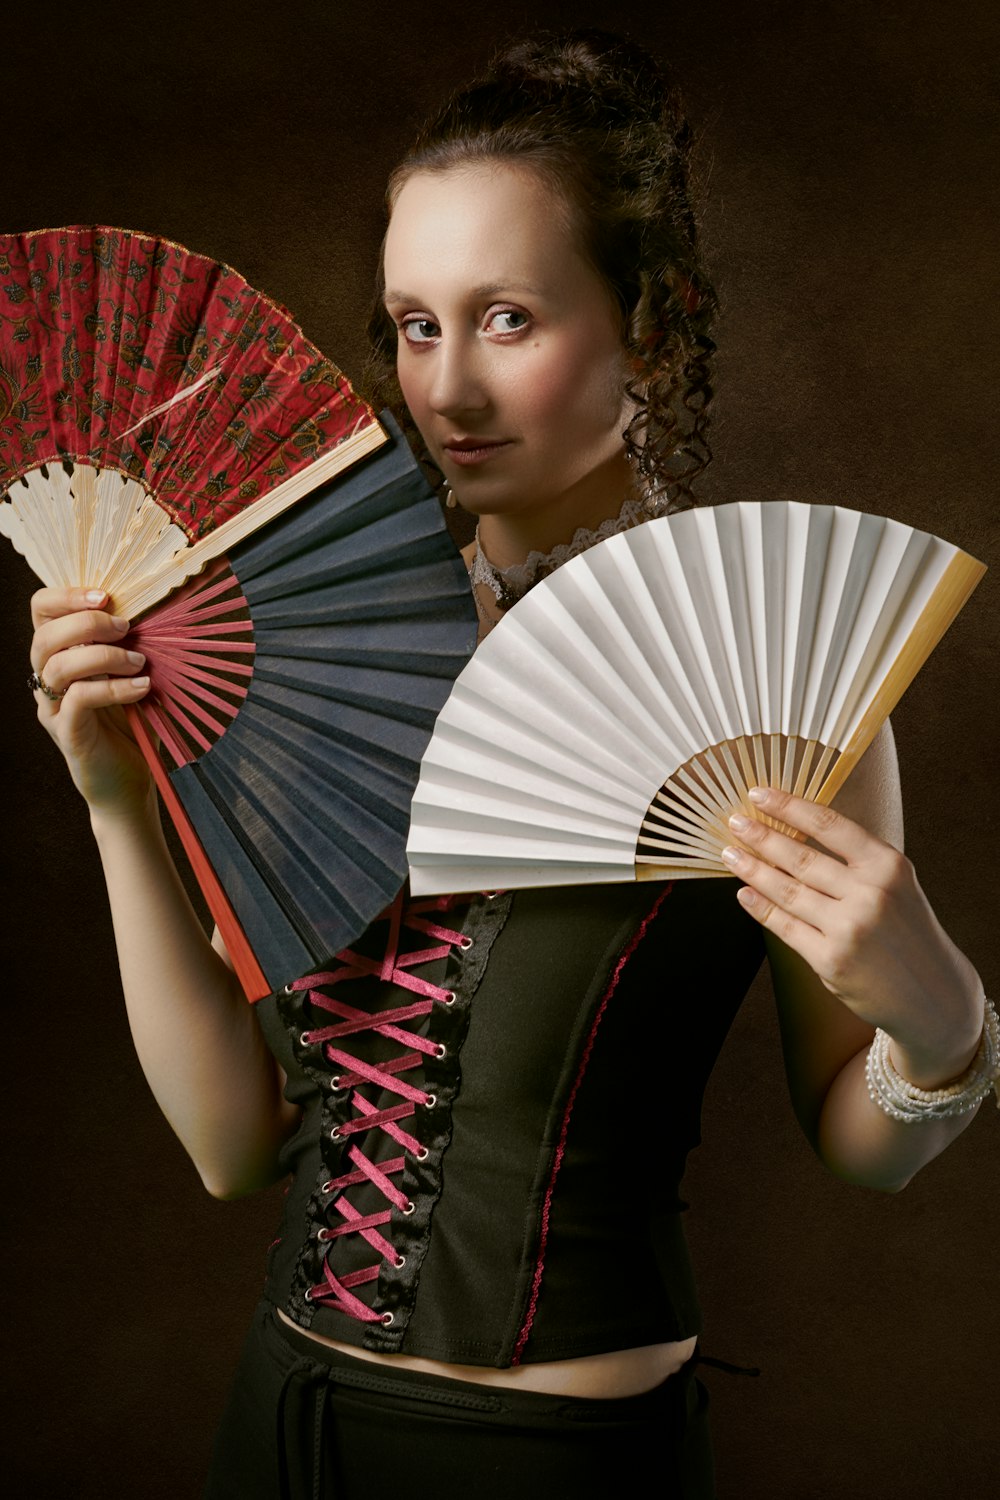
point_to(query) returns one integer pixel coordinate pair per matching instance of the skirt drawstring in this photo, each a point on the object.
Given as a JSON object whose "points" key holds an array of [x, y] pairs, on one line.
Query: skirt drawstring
{"points": [[725, 1366], [293, 1445]]}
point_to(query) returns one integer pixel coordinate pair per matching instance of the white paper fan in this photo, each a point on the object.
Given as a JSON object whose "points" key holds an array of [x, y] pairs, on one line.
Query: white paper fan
{"points": [[618, 715]]}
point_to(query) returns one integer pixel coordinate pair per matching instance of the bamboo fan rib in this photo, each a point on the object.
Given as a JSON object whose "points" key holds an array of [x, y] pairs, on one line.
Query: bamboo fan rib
{"points": [[613, 721]]}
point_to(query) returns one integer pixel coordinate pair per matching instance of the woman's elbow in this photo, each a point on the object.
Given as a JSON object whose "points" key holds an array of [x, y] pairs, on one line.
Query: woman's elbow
{"points": [[228, 1185], [858, 1175], [257, 1165]]}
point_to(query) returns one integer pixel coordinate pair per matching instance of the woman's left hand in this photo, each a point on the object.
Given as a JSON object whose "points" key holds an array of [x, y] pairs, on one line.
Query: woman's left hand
{"points": [[854, 910]]}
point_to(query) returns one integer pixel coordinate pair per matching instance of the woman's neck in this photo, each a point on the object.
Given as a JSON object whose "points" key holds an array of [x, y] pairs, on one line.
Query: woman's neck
{"points": [[507, 538], [498, 587]]}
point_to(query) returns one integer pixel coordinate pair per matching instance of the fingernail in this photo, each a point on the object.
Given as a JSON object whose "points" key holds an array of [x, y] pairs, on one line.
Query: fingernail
{"points": [[135, 657], [759, 793], [139, 681], [738, 823], [745, 896], [732, 856], [120, 623], [95, 596]]}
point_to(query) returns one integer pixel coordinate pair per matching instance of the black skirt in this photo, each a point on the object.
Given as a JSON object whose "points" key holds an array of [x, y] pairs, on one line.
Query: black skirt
{"points": [[305, 1422]]}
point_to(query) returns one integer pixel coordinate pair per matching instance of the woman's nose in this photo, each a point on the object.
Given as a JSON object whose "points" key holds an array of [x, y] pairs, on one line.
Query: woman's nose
{"points": [[458, 382]]}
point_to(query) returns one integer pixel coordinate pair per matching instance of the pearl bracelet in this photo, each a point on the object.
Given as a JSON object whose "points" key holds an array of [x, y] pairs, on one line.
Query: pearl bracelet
{"points": [[904, 1101]]}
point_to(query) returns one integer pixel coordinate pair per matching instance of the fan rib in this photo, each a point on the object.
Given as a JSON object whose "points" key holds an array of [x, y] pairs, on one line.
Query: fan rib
{"points": [[960, 577], [194, 665], [174, 706], [179, 686], [164, 730]]}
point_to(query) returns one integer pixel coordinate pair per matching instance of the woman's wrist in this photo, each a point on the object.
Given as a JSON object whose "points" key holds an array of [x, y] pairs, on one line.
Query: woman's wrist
{"points": [[938, 1063], [137, 812], [934, 1070], [898, 1095]]}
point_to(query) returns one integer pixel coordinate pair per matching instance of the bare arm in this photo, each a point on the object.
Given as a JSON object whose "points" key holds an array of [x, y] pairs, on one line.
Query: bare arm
{"points": [[853, 944], [198, 1040]]}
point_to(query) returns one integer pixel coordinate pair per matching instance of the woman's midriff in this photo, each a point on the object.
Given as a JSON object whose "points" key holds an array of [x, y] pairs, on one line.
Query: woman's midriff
{"points": [[626, 1372]]}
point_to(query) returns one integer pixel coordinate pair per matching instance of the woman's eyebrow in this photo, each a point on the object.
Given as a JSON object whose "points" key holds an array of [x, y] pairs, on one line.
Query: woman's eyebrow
{"points": [[489, 289], [493, 289]]}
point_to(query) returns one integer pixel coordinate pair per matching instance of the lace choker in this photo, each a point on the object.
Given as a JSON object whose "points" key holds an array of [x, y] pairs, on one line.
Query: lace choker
{"points": [[510, 584]]}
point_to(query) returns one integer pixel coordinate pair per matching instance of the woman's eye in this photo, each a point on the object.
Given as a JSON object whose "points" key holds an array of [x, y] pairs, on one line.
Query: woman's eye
{"points": [[419, 330], [508, 320]]}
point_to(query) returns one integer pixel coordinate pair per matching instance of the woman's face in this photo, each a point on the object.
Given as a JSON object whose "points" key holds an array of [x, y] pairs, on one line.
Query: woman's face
{"points": [[510, 355]]}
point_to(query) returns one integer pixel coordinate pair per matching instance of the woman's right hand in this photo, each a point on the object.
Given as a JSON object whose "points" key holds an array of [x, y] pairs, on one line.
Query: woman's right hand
{"points": [[76, 651]]}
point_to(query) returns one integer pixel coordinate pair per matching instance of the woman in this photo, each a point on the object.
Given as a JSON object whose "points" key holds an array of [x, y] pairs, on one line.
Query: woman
{"points": [[481, 1275]]}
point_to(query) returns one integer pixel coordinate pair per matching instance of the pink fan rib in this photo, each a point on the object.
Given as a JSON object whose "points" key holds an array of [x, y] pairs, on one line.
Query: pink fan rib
{"points": [[164, 732], [175, 699], [187, 645], [174, 676], [181, 719]]}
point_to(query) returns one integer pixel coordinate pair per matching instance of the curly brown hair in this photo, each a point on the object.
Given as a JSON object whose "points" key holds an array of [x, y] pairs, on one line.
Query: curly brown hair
{"points": [[596, 117]]}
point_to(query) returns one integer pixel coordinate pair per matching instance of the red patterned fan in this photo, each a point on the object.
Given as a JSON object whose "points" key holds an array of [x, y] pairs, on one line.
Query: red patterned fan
{"points": [[155, 409], [157, 415]]}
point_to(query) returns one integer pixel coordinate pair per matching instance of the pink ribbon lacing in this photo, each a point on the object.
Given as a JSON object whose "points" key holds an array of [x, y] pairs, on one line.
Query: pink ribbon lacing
{"points": [[392, 968]]}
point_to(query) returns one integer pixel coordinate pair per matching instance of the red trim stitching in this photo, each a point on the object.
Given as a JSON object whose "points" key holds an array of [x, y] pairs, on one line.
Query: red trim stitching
{"points": [[560, 1151]]}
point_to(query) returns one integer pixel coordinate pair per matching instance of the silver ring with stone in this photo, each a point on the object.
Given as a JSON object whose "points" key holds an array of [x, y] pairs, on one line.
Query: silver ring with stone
{"points": [[37, 681]]}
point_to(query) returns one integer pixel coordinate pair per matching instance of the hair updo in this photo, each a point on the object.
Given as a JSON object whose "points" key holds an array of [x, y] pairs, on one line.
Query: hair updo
{"points": [[594, 116]]}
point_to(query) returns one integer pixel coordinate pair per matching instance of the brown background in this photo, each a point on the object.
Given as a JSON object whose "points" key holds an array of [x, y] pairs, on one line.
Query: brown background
{"points": [[851, 150]]}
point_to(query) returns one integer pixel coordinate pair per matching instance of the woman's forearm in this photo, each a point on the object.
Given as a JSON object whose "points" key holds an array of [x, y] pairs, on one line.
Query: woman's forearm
{"points": [[198, 1040]]}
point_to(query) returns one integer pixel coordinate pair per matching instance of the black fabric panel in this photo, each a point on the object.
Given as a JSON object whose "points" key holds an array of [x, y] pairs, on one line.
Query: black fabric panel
{"points": [[300, 1156], [620, 1260]]}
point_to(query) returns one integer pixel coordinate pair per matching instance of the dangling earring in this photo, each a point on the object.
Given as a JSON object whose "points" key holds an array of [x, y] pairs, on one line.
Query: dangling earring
{"points": [[449, 498], [651, 490]]}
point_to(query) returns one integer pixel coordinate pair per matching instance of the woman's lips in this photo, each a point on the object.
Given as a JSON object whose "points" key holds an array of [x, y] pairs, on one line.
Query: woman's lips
{"points": [[474, 450]]}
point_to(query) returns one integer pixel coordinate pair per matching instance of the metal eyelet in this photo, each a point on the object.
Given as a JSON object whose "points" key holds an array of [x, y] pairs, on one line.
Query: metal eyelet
{"points": [[335, 1134], [399, 1262], [409, 1209], [327, 1187], [387, 1319], [324, 1235], [305, 1038], [465, 944], [422, 1154], [441, 1050], [287, 991], [491, 895], [450, 997], [430, 1101], [308, 1294]]}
